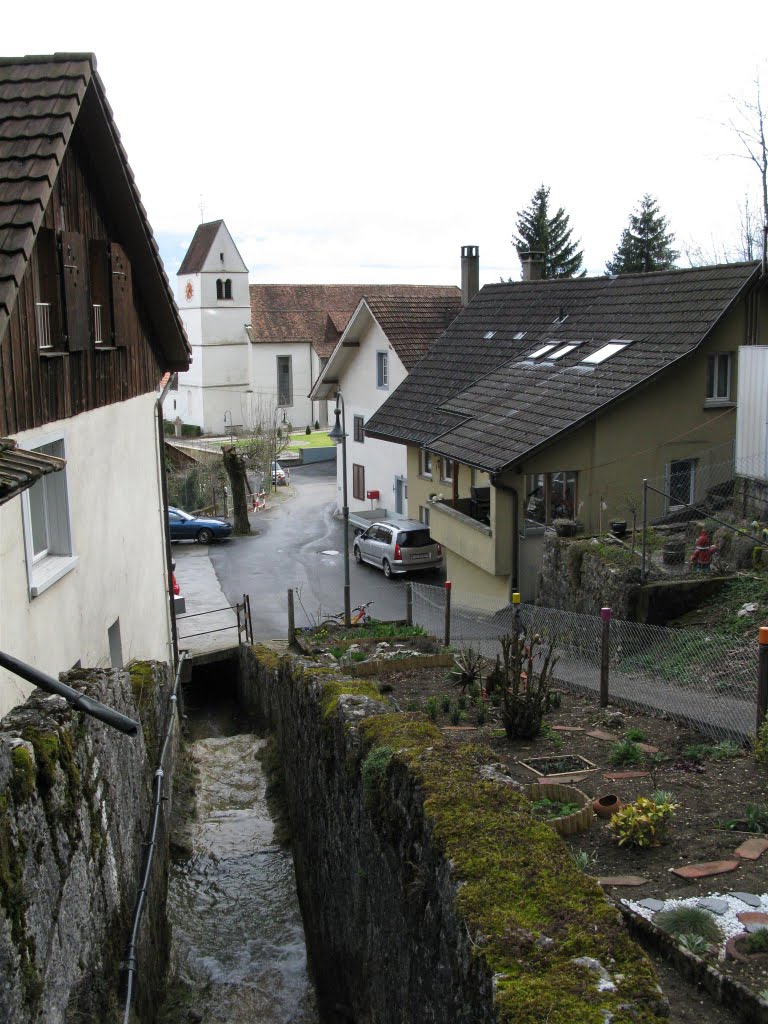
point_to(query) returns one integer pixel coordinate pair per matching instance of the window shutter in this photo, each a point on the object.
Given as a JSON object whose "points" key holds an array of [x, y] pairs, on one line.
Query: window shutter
{"points": [[76, 301], [101, 297], [48, 284], [122, 296]]}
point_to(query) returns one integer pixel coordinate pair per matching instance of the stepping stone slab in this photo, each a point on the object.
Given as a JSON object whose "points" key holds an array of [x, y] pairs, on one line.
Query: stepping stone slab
{"points": [[647, 748], [623, 880], [567, 728], [754, 926], [651, 904], [617, 776], [712, 867], [752, 848], [713, 904], [598, 734], [562, 778], [747, 897], [753, 917]]}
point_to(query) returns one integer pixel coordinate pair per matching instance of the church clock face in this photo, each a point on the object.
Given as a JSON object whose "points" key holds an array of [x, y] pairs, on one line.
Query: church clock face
{"points": [[189, 291]]}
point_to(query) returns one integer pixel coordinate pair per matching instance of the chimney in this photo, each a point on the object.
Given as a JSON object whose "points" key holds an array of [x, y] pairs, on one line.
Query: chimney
{"points": [[533, 265], [470, 273]]}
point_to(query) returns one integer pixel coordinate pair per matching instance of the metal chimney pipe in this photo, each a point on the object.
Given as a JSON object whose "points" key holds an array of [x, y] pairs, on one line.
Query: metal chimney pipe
{"points": [[470, 273]]}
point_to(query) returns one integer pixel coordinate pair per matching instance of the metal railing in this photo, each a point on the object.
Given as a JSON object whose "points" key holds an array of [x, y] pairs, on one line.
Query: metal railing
{"points": [[43, 318], [243, 625]]}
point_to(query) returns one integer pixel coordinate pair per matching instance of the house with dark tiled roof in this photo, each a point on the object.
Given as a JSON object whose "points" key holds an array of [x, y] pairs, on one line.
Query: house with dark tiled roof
{"points": [[550, 399], [88, 327], [385, 338]]}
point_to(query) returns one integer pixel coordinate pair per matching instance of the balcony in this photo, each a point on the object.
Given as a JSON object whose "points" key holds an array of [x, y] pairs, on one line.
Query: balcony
{"points": [[98, 336], [463, 527], [43, 318]]}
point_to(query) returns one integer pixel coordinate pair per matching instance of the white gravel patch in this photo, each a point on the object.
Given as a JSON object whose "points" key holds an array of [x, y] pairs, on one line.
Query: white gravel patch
{"points": [[728, 922]]}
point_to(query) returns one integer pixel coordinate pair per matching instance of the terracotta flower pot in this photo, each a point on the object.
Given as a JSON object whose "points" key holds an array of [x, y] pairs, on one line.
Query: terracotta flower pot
{"points": [[606, 806]]}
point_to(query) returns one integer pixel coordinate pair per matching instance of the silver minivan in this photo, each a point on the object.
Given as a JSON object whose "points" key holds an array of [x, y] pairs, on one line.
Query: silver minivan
{"points": [[398, 547]]}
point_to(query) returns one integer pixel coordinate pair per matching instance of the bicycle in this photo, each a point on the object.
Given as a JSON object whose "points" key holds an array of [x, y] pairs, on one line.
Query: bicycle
{"points": [[358, 617]]}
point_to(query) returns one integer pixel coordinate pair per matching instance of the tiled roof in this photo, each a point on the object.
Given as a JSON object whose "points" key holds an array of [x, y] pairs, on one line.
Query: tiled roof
{"points": [[43, 100], [316, 313], [482, 401], [19, 469], [411, 323], [199, 247]]}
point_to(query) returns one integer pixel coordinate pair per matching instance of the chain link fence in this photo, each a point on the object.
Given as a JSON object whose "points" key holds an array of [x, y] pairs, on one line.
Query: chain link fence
{"points": [[704, 679]]}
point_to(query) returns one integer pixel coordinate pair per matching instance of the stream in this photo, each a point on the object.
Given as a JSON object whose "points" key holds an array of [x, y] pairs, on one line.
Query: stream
{"points": [[238, 945]]}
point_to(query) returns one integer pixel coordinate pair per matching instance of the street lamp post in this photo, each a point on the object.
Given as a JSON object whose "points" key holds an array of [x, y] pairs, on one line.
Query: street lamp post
{"points": [[339, 434]]}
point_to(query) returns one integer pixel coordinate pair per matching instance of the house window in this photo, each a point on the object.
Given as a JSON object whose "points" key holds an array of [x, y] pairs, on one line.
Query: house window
{"points": [[228, 288], [284, 381], [425, 463], [115, 644], [550, 496], [382, 369], [219, 288], [359, 429], [446, 471], [358, 482], [719, 377], [423, 515], [682, 482], [47, 536]]}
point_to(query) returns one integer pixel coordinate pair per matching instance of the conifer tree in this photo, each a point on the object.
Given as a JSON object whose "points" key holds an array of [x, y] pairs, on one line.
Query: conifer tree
{"points": [[645, 244], [550, 235]]}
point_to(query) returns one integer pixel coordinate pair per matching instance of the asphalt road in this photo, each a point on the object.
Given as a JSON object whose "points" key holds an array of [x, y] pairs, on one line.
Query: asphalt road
{"points": [[301, 545]]}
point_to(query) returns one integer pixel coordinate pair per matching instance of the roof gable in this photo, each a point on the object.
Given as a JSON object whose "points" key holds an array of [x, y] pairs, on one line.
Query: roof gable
{"points": [[208, 240], [479, 397], [318, 313], [43, 101]]}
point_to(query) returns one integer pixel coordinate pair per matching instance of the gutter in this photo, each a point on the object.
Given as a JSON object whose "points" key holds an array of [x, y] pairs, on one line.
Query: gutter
{"points": [[166, 525]]}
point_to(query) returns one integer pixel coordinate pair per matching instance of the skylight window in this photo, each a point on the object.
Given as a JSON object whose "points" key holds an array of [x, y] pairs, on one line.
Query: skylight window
{"points": [[519, 336], [488, 335], [562, 352], [541, 351], [605, 352]]}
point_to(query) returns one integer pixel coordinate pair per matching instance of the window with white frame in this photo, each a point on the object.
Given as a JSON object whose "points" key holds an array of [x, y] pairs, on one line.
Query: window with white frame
{"points": [[425, 463], [382, 369], [719, 377], [47, 534], [446, 471]]}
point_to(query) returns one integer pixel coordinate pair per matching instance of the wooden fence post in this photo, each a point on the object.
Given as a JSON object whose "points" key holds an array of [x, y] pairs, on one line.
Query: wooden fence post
{"points": [[409, 603], [605, 653], [447, 613], [291, 619], [762, 678]]}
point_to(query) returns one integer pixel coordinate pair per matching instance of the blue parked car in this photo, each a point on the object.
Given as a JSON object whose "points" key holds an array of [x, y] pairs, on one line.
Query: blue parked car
{"points": [[203, 529]]}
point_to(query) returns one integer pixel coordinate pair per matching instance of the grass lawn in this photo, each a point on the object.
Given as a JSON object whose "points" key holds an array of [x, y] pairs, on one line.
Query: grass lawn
{"points": [[317, 439]]}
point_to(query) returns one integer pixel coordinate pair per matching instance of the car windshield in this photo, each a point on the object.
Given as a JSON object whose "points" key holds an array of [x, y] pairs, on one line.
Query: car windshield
{"points": [[414, 539], [183, 515]]}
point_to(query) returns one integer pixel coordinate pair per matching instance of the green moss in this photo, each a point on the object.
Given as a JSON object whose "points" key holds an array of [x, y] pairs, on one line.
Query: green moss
{"points": [[266, 657], [14, 901], [333, 689], [373, 772], [22, 774], [54, 758]]}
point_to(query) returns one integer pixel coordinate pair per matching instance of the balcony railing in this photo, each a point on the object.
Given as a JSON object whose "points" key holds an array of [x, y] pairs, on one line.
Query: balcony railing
{"points": [[43, 317], [98, 337]]}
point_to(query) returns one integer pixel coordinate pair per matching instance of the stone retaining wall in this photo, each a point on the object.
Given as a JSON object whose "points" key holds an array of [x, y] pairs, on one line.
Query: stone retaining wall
{"points": [[75, 805], [429, 893]]}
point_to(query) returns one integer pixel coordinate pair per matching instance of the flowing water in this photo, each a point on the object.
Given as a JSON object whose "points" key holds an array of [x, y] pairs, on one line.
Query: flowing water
{"points": [[238, 940]]}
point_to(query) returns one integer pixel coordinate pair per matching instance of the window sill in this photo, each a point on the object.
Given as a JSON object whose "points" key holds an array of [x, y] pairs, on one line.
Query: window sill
{"points": [[104, 348], [425, 476], [49, 570], [45, 353], [719, 403]]}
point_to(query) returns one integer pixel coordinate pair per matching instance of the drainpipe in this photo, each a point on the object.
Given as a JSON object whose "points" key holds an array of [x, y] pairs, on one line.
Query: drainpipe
{"points": [[515, 529], [166, 526]]}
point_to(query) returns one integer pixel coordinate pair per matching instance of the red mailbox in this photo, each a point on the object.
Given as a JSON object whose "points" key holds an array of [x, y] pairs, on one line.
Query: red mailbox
{"points": [[373, 495]]}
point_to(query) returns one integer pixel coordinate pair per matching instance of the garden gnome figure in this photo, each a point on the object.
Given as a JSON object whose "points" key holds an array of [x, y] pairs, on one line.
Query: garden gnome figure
{"points": [[701, 559]]}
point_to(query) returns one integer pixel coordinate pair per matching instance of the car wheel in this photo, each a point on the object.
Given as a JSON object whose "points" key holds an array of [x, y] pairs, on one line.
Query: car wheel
{"points": [[204, 536], [358, 556], [387, 569]]}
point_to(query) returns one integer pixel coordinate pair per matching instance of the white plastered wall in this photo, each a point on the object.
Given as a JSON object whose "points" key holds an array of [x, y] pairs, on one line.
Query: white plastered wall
{"points": [[116, 520], [263, 375], [383, 461]]}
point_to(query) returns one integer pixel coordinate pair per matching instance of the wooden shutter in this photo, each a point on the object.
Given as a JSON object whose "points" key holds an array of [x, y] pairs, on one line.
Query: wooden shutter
{"points": [[101, 293], [48, 282], [122, 297], [77, 306]]}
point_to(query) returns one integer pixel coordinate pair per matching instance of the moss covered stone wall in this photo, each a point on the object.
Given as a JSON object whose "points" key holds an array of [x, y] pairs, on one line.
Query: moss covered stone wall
{"points": [[429, 893], [75, 802]]}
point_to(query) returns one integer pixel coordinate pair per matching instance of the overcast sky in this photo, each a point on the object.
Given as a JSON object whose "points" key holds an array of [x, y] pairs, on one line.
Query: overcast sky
{"points": [[353, 142]]}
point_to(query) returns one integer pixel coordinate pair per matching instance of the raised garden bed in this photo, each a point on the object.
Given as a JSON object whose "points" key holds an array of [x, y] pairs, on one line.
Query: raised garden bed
{"points": [[557, 797], [561, 764]]}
